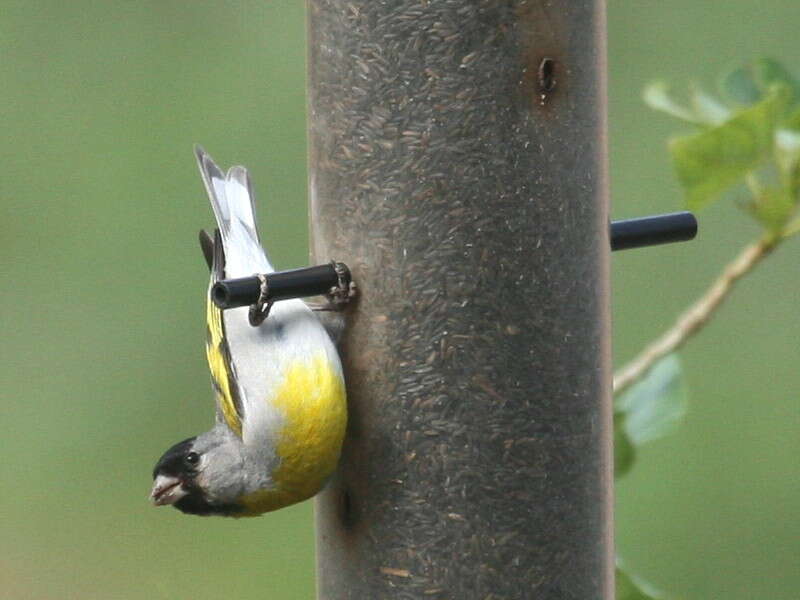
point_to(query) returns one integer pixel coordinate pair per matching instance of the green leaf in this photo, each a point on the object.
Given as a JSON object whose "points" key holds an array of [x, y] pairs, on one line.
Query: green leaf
{"points": [[792, 228], [713, 160], [656, 96], [749, 83], [737, 85], [768, 72], [793, 120], [624, 450], [773, 208], [654, 406], [628, 588], [787, 156]]}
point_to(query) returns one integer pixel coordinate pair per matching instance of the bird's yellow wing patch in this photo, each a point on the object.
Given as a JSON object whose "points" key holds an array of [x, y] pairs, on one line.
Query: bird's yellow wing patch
{"points": [[222, 375], [312, 398]]}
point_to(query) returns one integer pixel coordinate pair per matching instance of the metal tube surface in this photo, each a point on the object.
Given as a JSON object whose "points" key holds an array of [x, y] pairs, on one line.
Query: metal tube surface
{"points": [[653, 230], [281, 285], [457, 165]]}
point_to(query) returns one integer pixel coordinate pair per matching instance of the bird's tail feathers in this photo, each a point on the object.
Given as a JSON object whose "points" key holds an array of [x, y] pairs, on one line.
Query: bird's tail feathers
{"points": [[231, 196]]}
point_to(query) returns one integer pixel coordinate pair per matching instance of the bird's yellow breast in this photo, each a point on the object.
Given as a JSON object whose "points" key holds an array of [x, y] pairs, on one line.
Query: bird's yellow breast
{"points": [[312, 399]]}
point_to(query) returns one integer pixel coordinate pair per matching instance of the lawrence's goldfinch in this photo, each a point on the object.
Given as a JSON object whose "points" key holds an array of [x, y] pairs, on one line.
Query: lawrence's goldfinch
{"points": [[281, 410]]}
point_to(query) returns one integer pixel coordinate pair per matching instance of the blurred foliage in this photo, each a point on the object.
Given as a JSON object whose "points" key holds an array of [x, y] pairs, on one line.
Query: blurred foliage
{"points": [[102, 315], [710, 511], [650, 409], [655, 405], [628, 587], [752, 140]]}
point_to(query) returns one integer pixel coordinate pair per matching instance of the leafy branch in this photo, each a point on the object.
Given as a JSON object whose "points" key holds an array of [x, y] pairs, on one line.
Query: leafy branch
{"points": [[749, 138]]}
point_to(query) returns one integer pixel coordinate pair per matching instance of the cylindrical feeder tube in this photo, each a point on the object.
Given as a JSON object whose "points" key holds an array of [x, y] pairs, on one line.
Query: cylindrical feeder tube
{"points": [[457, 165]]}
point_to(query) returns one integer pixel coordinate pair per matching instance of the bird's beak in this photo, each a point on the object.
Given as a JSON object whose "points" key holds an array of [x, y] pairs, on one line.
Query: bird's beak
{"points": [[167, 490]]}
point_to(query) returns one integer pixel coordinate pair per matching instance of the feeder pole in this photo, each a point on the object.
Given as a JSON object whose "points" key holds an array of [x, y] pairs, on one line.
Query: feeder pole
{"points": [[458, 167]]}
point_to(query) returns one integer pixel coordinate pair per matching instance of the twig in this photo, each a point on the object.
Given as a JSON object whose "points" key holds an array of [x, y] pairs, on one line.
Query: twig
{"points": [[691, 321]]}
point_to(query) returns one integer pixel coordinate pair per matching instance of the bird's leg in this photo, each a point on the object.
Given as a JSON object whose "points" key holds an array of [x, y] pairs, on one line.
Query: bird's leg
{"points": [[345, 289], [339, 295], [335, 301]]}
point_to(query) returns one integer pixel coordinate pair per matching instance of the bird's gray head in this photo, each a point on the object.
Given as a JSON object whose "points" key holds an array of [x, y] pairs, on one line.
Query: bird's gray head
{"points": [[202, 475]]}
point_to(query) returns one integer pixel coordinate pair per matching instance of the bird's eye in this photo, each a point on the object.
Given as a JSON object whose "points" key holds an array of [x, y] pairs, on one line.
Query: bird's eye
{"points": [[192, 458]]}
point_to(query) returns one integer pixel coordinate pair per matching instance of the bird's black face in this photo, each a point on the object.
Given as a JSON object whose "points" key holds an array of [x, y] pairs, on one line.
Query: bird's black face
{"points": [[175, 482]]}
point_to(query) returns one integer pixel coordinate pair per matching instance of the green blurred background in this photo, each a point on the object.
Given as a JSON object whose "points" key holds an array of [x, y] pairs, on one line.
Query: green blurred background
{"points": [[102, 318]]}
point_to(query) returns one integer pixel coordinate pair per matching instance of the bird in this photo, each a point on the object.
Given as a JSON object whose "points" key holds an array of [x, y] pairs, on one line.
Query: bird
{"points": [[281, 411]]}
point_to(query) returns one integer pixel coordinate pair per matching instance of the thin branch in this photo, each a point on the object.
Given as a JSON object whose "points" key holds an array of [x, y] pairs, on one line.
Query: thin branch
{"points": [[691, 321]]}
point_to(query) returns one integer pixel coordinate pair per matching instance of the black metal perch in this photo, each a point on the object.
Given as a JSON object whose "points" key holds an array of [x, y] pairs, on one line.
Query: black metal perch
{"points": [[332, 279], [653, 230]]}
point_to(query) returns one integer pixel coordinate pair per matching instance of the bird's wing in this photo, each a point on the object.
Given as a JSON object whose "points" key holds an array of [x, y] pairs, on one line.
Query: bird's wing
{"points": [[223, 375], [207, 246]]}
